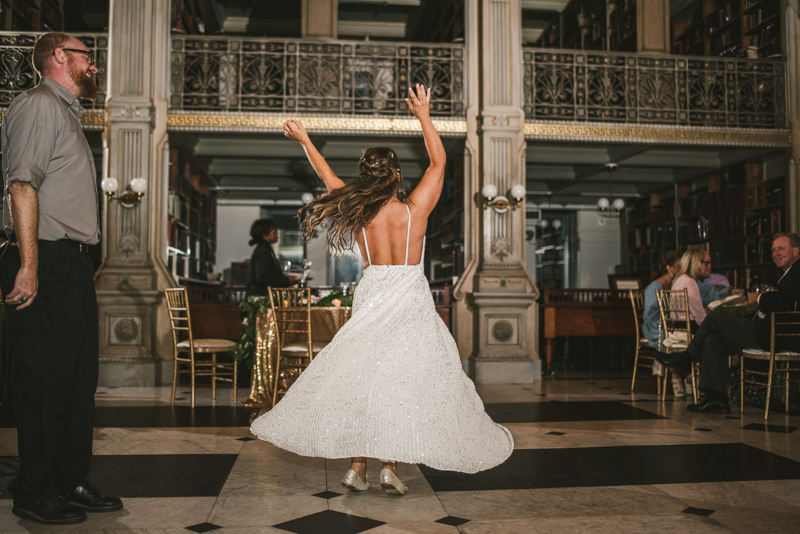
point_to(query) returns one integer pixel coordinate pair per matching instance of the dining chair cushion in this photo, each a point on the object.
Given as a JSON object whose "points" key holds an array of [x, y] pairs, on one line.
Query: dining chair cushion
{"points": [[209, 345], [316, 346]]}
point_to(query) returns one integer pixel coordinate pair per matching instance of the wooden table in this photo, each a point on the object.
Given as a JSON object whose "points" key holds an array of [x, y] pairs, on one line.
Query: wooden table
{"points": [[585, 312]]}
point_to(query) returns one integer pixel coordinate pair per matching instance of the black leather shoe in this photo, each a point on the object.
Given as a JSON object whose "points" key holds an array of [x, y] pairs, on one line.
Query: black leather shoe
{"points": [[679, 361], [54, 511], [710, 406], [87, 497]]}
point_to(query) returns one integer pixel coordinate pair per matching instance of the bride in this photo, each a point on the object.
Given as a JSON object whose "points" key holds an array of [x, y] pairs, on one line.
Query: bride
{"points": [[390, 384]]}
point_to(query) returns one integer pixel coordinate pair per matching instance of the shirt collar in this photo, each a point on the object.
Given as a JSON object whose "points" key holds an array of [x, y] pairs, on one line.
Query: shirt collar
{"points": [[69, 99]]}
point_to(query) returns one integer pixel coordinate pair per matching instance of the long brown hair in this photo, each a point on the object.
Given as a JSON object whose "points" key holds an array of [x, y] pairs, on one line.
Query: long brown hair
{"points": [[353, 206]]}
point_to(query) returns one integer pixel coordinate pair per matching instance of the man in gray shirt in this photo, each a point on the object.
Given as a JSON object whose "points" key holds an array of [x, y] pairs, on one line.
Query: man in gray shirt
{"points": [[51, 216]]}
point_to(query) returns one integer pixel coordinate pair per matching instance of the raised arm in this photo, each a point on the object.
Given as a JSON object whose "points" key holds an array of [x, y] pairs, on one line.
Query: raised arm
{"points": [[427, 193], [294, 130]]}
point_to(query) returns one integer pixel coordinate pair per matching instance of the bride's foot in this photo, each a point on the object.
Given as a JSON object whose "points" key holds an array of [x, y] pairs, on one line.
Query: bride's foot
{"points": [[356, 477], [389, 480]]}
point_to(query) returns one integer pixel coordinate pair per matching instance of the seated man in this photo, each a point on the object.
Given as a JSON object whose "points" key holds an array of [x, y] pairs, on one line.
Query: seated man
{"points": [[720, 335], [712, 278]]}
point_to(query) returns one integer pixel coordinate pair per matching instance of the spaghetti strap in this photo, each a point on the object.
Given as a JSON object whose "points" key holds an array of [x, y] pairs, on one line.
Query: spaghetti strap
{"points": [[408, 234], [366, 245]]}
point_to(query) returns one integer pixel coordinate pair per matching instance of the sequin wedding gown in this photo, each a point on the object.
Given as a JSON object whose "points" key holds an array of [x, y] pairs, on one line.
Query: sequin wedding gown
{"points": [[389, 385]]}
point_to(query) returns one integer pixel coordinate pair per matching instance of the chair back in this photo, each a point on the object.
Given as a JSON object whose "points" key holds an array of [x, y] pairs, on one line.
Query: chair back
{"points": [[180, 321], [785, 325], [637, 302], [291, 308], [673, 304]]}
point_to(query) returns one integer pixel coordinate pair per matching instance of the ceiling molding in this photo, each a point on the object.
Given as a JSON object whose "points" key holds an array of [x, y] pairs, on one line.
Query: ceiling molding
{"points": [[251, 122], [646, 134]]}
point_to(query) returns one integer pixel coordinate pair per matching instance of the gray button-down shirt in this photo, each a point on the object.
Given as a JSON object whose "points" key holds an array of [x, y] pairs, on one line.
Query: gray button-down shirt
{"points": [[43, 144]]}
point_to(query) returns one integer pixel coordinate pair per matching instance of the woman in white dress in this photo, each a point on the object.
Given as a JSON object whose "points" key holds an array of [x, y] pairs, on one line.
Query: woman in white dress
{"points": [[390, 385]]}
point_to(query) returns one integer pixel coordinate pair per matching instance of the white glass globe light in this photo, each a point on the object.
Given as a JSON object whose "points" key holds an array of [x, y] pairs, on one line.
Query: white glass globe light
{"points": [[139, 185], [518, 191], [603, 204], [543, 224], [307, 197], [556, 224], [489, 191], [619, 204], [109, 185]]}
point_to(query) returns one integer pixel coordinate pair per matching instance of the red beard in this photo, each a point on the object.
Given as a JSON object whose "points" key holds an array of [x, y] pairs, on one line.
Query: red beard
{"points": [[86, 86]]}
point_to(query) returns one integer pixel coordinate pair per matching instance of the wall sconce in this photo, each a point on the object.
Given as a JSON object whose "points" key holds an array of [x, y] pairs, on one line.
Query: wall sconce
{"points": [[133, 193], [307, 198], [501, 203]]}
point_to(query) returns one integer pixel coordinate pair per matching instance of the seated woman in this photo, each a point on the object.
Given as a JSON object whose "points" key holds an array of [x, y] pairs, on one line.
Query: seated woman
{"points": [[691, 268], [667, 267]]}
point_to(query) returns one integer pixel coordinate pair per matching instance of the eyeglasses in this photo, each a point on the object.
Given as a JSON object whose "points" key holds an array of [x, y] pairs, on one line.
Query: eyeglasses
{"points": [[88, 53]]}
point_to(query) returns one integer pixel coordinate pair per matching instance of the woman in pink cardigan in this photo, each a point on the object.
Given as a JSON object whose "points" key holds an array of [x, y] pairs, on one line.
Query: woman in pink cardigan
{"points": [[691, 268]]}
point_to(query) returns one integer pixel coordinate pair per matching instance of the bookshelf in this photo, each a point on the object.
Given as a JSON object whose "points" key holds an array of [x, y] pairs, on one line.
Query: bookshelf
{"points": [[32, 15], [191, 222], [734, 28], [732, 216], [444, 256], [609, 26]]}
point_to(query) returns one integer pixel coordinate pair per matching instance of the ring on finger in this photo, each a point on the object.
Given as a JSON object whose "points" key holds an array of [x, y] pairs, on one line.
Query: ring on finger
{"points": [[23, 300]]}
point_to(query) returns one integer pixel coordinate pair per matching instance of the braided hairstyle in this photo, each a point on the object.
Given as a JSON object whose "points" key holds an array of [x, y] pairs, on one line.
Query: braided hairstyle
{"points": [[353, 206]]}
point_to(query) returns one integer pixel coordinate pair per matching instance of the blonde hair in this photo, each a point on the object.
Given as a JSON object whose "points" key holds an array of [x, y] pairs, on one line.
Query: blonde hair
{"points": [[353, 206], [692, 264]]}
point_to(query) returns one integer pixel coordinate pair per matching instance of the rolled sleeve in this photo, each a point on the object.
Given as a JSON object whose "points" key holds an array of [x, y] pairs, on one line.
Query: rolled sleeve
{"points": [[31, 129]]}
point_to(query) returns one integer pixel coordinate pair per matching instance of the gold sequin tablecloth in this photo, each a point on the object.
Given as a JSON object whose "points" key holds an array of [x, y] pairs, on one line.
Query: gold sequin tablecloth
{"points": [[325, 322]]}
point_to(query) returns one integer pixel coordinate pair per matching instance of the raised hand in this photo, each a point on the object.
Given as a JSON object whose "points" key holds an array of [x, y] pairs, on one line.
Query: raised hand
{"points": [[295, 131], [419, 101]]}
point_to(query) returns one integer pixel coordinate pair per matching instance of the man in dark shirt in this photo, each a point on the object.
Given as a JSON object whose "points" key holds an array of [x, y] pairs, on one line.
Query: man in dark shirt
{"points": [[720, 335], [51, 216]]}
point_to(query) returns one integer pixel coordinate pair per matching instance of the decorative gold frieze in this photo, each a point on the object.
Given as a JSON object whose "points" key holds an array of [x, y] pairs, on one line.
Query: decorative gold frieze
{"points": [[219, 122], [90, 121], [654, 134]]}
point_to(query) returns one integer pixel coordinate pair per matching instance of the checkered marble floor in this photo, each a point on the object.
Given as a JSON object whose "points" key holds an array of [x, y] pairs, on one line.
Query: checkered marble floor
{"points": [[590, 456]]}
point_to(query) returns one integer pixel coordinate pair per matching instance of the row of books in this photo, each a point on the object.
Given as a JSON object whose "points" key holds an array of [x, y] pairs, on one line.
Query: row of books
{"points": [[720, 18], [735, 253], [732, 226], [750, 277], [751, 20]]}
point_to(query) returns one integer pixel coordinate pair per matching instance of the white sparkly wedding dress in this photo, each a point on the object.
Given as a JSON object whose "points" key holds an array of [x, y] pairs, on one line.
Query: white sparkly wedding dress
{"points": [[389, 385]]}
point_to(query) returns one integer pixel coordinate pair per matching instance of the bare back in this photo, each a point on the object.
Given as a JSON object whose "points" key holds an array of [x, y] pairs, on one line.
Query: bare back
{"points": [[386, 235]]}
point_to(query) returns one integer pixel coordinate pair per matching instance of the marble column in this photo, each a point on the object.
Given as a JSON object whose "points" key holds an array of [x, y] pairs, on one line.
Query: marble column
{"points": [[496, 314], [652, 27], [133, 272], [319, 19]]}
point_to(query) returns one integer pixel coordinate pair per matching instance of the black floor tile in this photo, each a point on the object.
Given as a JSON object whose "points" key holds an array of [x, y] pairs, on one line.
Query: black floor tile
{"points": [[329, 522], [764, 427], [203, 527], [161, 416], [327, 495], [554, 411], [699, 511], [556, 433], [704, 429], [245, 439], [152, 475], [621, 466], [452, 521]]}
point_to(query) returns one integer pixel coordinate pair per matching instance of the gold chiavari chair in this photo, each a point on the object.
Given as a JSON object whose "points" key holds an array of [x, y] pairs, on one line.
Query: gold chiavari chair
{"points": [[637, 301], [677, 329], [784, 325], [181, 324], [291, 308]]}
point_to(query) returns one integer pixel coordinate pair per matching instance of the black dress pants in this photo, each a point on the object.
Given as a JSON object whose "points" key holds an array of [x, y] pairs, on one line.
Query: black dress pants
{"points": [[719, 336], [54, 354]]}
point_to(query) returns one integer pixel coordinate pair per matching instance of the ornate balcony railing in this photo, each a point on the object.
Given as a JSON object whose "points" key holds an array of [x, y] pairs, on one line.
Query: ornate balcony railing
{"points": [[290, 76], [645, 89], [16, 65]]}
